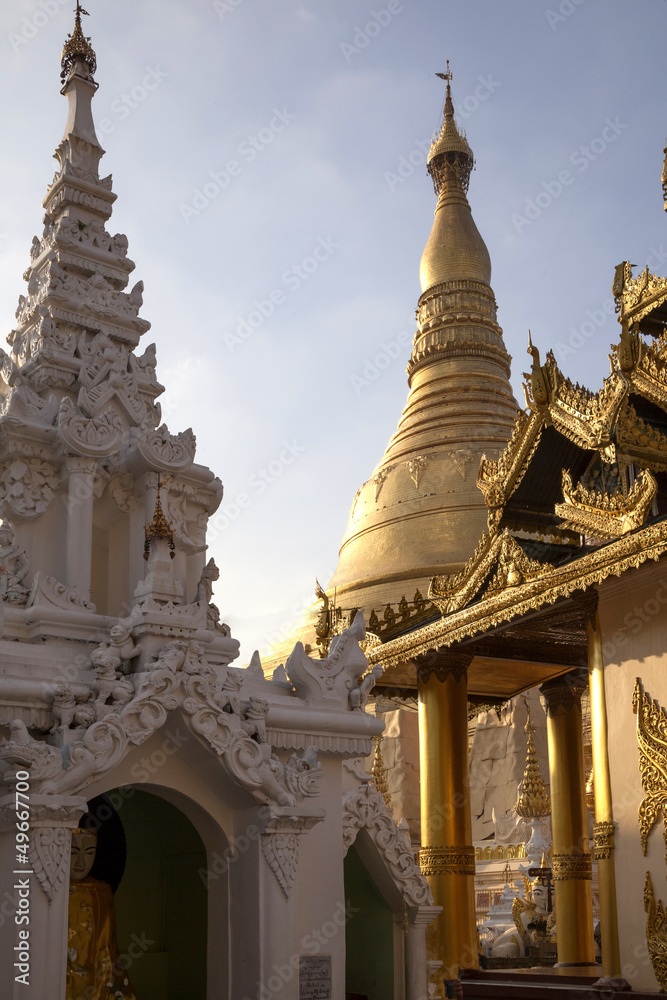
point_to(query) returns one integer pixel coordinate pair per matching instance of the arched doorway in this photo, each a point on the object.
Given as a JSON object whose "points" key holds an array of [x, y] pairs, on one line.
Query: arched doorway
{"points": [[369, 935], [161, 901]]}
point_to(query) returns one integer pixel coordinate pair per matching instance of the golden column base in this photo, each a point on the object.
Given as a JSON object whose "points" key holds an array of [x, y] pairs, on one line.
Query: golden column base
{"points": [[571, 862], [447, 857]]}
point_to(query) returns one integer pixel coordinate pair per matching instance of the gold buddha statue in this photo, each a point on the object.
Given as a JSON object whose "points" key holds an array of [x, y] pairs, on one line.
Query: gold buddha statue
{"points": [[94, 970]]}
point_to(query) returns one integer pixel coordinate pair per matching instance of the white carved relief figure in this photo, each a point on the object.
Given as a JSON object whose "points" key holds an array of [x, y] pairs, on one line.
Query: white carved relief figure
{"points": [[64, 706], [210, 574], [14, 567], [123, 644]]}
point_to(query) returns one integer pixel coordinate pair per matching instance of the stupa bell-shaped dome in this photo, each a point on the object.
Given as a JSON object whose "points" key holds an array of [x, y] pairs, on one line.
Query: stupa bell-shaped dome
{"points": [[420, 512]]}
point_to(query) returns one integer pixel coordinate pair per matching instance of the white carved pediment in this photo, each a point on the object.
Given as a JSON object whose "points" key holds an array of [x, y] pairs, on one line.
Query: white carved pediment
{"points": [[173, 681], [94, 436], [364, 808], [47, 592], [160, 450]]}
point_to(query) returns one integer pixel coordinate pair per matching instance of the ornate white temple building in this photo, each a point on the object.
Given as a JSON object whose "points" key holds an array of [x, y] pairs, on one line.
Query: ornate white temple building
{"points": [[173, 826]]}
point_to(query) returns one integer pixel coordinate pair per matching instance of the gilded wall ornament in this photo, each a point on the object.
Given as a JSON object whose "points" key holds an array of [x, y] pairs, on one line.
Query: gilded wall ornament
{"points": [[458, 860], [656, 933], [378, 480], [416, 468], [652, 741], [568, 867], [564, 693], [442, 663], [603, 840]]}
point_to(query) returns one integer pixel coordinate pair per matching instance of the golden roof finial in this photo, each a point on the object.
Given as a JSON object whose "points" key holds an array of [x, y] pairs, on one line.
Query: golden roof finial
{"points": [[533, 801], [159, 526], [77, 46], [449, 106], [449, 153]]}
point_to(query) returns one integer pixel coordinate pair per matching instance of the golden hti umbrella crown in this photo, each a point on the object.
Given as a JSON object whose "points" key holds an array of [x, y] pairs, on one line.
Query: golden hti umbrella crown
{"points": [[533, 801], [449, 151], [77, 46], [159, 527]]}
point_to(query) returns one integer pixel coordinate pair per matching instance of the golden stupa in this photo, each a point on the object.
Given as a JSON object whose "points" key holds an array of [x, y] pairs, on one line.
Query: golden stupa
{"points": [[420, 512]]}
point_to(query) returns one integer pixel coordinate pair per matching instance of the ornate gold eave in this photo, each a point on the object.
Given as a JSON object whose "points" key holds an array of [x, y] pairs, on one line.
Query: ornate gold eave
{"points": [[586, 418], [613, 559], [605, 515], [498, 479], [640, 297]]}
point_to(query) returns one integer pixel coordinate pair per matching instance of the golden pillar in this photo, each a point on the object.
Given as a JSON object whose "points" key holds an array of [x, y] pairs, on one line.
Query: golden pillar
{"points": [[604, 820], [447, 856], [571, 861]]}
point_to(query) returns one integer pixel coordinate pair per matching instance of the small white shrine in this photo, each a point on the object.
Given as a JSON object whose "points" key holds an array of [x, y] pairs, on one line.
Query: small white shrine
{"points": [[235, 838]]}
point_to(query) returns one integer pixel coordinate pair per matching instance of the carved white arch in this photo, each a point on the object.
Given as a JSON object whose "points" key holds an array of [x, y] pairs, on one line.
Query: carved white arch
{"points": [[365, 809]]}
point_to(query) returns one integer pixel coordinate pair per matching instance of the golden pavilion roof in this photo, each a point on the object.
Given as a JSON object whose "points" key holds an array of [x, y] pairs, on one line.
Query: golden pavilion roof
{"points": [[578, 494]]}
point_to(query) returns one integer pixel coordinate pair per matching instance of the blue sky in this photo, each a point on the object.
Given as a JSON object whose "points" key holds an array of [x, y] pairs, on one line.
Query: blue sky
{"points": [[268, 161]]}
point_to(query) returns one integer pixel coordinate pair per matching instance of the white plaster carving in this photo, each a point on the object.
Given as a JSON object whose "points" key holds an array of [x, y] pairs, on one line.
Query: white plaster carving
{"points": [[64, 706], [364, 808], [27, 487], [95, 436], [50, 593], [164, 451], [357, 767], [14, 567], [122, 491], [209, 575], [49, 851], [318, 680], [280, 843], [163, 688], [360, 693]]}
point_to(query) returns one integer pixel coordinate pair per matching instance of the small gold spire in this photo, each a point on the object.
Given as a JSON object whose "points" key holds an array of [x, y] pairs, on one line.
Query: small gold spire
{"points": [[77, 46], [533, 801], [379, 772], [450, 155], [159, 527]]}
